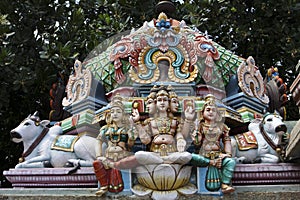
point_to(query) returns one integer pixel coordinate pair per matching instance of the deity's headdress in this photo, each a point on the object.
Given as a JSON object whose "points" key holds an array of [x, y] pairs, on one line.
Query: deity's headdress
{"points": [[162, 91], [210, 100], [153, 92], [117, 101], [172, 93]]}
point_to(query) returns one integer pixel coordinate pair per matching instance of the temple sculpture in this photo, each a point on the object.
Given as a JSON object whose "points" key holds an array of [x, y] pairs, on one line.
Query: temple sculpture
{"points": [[165, 112]]}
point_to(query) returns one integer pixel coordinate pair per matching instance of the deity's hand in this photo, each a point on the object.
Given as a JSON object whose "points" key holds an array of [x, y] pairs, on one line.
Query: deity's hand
{"points": [[181, 143], [195, 133], [135, 115], [224, 155], [101, 158], [107, 164], [219, 163], [216, 162], [189, 113]]}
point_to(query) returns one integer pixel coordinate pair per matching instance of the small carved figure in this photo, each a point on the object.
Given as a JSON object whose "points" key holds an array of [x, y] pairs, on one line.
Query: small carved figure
{"points": [[116, 136], [208, 134]]}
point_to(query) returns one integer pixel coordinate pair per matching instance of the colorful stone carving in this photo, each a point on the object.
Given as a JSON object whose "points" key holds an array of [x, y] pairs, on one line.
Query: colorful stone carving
{"points": [[251, 81], [267, 135], [118, 137], [40, 151], [208, 134], [79, 85], [165, 136], [163, 71]]}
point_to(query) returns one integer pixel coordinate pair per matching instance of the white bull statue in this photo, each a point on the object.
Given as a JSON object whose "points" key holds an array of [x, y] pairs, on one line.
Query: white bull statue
{"points": [[263, 143], [42, 148]]}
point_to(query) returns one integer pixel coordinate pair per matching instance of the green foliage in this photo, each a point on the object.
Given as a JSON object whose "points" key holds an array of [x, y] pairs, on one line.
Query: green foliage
{"points": [[42, 37]]}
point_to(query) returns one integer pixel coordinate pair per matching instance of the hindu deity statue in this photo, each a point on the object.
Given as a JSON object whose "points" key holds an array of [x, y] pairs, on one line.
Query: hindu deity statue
{"points": [[117, 135], [211, 136], [161, 132]]}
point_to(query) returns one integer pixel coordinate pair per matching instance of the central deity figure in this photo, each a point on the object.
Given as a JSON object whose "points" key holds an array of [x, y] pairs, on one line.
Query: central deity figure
{"points": [[162, 131]]}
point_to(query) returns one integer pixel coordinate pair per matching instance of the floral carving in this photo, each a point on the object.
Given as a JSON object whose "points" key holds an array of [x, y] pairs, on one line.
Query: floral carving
{"points": [[79, 85], [250, 80], [163, 181]]}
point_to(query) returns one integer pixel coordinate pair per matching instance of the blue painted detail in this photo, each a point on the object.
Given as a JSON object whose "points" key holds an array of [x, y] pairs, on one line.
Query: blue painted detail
{"points": [[149, 64], [208, 47], [64, 142], [127, 179], [201, 176], [240, 100], [177, 64], [163, 25]]}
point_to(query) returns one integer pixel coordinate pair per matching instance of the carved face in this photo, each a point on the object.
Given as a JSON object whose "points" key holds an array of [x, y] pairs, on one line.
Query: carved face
{"points": [[210, 113], [150, 105], [174, 104], [116, 114], [162, 103]]}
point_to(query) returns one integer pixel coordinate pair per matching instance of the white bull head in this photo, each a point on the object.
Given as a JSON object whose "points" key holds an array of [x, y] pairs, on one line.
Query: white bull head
{"points": [[28, 129], [273, 124]]}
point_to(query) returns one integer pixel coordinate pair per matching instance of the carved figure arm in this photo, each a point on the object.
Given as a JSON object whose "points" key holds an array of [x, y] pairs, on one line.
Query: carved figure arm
{"points": [[181, 142], [100, 139], [188, 122], [196, 135], [227, 142], [141, 130], [144, 132]]}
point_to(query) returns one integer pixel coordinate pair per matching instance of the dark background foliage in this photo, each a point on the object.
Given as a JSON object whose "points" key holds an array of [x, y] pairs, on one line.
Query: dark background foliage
{"points": [[40, 38]]}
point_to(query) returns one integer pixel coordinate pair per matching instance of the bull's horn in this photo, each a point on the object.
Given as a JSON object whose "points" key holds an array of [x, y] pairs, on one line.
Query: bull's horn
{"points": [[36, 113], [35, 117]]}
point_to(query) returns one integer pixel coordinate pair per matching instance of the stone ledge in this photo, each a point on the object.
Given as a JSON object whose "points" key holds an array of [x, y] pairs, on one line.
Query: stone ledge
{"points": [[245, 174], [242, 192]]}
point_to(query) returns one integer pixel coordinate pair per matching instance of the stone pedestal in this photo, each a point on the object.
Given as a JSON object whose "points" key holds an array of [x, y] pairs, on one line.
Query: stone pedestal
{"points": [[249, 107], [266, 174], [201, 176], [244, 174], [51, 177]]}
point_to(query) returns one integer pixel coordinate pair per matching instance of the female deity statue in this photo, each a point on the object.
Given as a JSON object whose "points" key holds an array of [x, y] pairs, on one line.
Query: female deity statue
{"points": [[117, 135], [208, 134]]}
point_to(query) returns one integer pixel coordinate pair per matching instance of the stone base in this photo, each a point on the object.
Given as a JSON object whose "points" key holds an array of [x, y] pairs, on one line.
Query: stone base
{"points": [[245, 174], [51, 177], [266, 174], [201, 174], [287, 192]]}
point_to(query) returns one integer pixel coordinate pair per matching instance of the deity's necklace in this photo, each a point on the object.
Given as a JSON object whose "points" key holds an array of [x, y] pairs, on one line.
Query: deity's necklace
{"points": [[211, 132], [163, 124], [115, 134]]}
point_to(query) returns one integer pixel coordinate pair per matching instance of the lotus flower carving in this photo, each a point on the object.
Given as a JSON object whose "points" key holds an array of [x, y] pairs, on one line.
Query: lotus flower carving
{"points": [[163, 181]]}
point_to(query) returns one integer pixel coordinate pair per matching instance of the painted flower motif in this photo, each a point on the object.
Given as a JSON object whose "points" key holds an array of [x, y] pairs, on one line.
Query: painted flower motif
{"points": [[163, 181], [163, 25]]}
